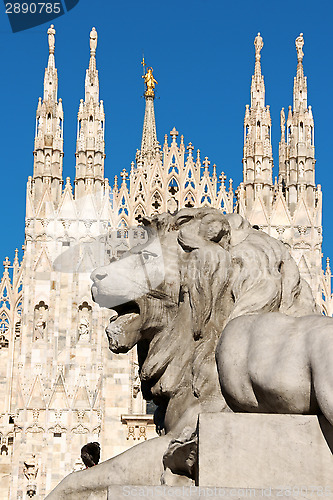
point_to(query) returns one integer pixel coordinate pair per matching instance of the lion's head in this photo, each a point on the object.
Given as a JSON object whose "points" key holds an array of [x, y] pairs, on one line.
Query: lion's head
{"points": [[174, 295]]}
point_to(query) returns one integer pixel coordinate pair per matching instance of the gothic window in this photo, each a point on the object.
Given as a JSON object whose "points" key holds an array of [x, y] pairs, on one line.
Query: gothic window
{"points": [[4, 450], [157, 201], [205, 197], [40, 320], [173, 168], [139, 212], [189, 181], [173, 187], [91, 118], [123, 207], [157, 181], [301, 131], [140, 193], [289, 135], [247, 130], [258, 168], [4, 299], [4, 330], [311, 131], [118, 233], [189, 201]]}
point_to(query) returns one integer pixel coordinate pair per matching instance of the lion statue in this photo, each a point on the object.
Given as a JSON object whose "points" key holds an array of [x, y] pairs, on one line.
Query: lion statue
{"points": [[200, 274]]}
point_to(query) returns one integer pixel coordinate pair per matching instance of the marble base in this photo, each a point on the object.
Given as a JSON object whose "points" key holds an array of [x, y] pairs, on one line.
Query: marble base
{"points": [[277, 452]]}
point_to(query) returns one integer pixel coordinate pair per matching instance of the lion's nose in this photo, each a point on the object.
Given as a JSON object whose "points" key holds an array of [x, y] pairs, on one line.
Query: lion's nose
{"points": [[98, 275]]}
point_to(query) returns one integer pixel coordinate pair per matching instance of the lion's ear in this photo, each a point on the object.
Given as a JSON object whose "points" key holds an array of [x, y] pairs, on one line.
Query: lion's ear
{"points": [[188, 236]]}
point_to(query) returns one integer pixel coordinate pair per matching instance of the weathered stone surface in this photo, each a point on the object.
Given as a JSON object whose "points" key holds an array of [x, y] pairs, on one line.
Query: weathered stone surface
{"points": [[265, 451]]}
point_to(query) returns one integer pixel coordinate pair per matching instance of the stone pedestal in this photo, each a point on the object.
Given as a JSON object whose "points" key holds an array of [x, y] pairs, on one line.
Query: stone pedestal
{"points": [[238, 450]]}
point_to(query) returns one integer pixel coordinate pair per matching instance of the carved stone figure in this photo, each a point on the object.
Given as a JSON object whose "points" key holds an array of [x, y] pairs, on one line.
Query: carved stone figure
{"points": [[40, 321], [200, 274], [93, 41], [299, 42], [84, 329], [51, 38]]}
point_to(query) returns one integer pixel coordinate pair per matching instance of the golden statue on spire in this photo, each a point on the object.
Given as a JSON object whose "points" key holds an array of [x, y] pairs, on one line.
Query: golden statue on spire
{"points": [[149, 80]]}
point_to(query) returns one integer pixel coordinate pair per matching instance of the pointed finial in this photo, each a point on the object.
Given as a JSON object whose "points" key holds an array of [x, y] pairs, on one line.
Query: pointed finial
{"points": [[51, 32], [93, 41], [190, 149], [222, 178], [115, 185], [6, 264], [206, 163], [328, 267], [299, 42], [230, 186], [124, 175], [174, 134], [214, 172]]}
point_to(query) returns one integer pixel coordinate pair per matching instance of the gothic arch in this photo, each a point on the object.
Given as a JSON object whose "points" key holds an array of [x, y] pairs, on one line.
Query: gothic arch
{"points": [[189, 200], [173, 186], [156, 201], [139, 211]]}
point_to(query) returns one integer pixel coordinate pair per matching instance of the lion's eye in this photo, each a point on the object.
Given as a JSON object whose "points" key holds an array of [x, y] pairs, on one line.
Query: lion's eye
{"points": [[147, 255]]}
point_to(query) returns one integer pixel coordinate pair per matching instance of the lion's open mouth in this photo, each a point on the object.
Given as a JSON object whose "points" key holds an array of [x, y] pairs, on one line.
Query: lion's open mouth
{"points": [[124, 326]]}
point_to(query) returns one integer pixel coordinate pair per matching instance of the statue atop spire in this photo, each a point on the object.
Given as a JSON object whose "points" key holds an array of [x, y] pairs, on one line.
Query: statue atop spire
{"points": [[299, 42], [93, 42], [51, 39], [149, 81], [258, 43]]}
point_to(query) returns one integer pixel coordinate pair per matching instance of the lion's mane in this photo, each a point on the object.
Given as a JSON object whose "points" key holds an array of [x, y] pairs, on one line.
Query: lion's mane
{"points": [[226, 269]]}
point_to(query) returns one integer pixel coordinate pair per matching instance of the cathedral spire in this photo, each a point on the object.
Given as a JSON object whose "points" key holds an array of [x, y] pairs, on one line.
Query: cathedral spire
{"points": [[297, 160], [90, 144], [92, 81], [300, 84], [48, 153], [149, 143], [257, 85], [257, 156]]}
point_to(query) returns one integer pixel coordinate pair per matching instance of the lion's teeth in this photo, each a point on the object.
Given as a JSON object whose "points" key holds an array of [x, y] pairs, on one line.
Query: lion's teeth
{"points": [[114, 315]]}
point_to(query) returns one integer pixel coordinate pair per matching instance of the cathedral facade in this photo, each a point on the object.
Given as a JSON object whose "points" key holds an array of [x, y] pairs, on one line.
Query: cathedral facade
{"points": [[61, 386]]}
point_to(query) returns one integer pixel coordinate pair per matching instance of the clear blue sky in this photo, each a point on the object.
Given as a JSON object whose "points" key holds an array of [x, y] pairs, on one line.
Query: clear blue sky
{"points": [[203, 57]]}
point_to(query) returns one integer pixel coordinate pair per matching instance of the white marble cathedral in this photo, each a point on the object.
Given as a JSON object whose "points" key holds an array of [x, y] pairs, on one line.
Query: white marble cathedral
{"points": [[60, 385]]}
